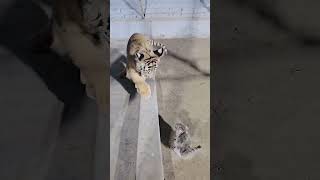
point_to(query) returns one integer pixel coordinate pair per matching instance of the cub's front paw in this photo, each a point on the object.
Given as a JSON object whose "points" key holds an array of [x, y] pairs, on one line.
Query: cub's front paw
{"points": [[144, 90]]}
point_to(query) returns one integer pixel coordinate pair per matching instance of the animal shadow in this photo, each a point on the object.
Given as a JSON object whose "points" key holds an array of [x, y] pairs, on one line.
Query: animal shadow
{"points": [[117, 71], [166, 132]]}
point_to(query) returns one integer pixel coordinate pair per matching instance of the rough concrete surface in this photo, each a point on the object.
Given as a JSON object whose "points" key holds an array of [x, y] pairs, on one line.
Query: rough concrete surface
{"points": [[266, 95], [183, 95], [134, 126], [149, 154], [186, 18], [46, 130], [124, 121]]}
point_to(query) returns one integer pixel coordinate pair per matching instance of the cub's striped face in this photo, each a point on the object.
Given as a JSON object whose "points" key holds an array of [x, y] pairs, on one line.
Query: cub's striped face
{"points": [[144, 55], [147, 61]]}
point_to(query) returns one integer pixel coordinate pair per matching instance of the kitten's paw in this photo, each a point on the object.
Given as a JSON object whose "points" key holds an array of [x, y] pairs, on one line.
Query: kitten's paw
{"points": [[144, 90]]}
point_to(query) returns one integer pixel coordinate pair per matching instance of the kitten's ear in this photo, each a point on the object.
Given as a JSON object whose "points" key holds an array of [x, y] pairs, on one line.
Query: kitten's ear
{"points": [[139, 56], [178, 125], [159, 52]]}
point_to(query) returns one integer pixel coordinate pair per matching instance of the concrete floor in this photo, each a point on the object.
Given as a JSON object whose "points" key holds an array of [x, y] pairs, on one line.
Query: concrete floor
{"points": [[266, 99], [184, 95], [47, 127], [183, 89]]}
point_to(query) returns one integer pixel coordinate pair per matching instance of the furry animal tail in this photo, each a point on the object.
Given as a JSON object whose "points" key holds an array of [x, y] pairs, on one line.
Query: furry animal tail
{"points": [[187, 152]]}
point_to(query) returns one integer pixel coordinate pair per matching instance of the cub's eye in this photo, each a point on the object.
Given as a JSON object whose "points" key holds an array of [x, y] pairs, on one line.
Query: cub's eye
{"points": [[139, 56]]}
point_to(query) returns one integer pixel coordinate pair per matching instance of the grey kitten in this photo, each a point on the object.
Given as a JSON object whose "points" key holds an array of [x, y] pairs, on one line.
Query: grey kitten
{"points": [[181, 142]]}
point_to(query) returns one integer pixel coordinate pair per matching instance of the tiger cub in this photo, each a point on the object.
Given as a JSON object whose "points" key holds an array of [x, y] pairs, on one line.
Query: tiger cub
{"points": [[78, 30], [143, 61]]}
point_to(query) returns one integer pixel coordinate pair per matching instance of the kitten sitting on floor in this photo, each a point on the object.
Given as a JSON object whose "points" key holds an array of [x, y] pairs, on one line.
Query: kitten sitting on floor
{"points": [[181, 142]]}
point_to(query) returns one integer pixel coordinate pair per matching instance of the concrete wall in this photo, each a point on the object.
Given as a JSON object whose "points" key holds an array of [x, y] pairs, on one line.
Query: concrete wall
{"points": [[160, 19]]}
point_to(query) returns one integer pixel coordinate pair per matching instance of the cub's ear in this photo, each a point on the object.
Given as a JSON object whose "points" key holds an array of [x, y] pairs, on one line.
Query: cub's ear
{"points": [[159, 52], [139, 56]]}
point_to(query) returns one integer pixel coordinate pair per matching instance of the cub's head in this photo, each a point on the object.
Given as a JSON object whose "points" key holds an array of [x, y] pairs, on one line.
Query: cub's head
{"points": [[147, 61], [149, 55]]}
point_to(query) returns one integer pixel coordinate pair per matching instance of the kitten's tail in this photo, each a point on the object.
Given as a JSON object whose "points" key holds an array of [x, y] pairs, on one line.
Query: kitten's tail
{"points": [[189, 152], [45, 7]]}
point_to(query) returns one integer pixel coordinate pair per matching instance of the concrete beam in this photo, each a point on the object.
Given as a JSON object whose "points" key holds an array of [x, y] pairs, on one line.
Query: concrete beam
{"points": [[149, 155], [134, 133], [119, 101], [135, 151]]}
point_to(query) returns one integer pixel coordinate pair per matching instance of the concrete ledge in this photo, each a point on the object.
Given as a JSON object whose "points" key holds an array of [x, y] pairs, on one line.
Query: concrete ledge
{"points": [[149, 154], [119, 101], [101, 160], [134, 135]]}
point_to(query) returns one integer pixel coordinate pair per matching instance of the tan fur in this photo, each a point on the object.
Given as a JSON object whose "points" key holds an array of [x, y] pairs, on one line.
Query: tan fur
{"points": [[138, 43], [71, 36]]}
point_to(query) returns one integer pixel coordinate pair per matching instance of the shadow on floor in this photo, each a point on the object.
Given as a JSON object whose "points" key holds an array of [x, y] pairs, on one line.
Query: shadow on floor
{"points": [[166, 132], [188, 62], [117, 71]]}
